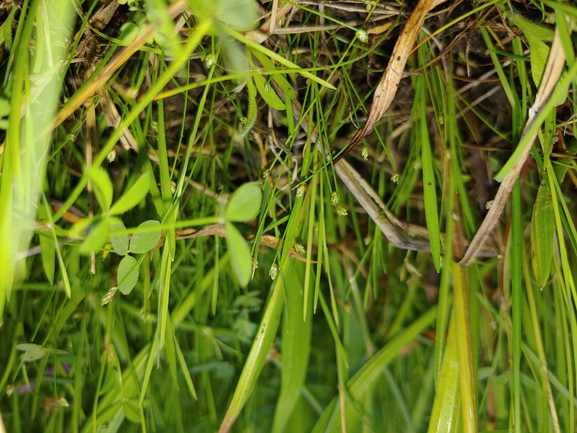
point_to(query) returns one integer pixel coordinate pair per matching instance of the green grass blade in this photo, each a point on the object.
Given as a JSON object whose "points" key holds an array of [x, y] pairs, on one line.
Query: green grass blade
{"points": [[429, 182], [467, 379], [446, 402], [296, 345], [364, 379], [257, 356]]}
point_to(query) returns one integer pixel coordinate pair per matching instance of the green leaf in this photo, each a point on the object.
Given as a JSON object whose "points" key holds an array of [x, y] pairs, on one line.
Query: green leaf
{"points": [[429, 188], [542, 235], [132, 410], [244, 204], [269, 66], [538, 50], [95, 241], [240, 253], [32, 352], [128, 272], [167, 35], [6, 29], [296, 343], [531, 28], [144, 242], [234, 54], [236, 14], [445, 403], [119, 243], [268, 94], [4, 106], [133, 196], [258, 353], [368, 375], [255, 46], [47, 247], [128, 33], [102, 186]]}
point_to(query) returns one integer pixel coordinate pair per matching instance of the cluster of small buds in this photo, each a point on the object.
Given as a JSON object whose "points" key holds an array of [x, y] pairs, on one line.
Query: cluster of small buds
{"points": [[109, 296], [111, 155], [300, 249], [395, 177], [209, 61], [365, 152], [453, 215], [301, 189], [363, 36], [273, 271], [335, 198], [341, 210]]}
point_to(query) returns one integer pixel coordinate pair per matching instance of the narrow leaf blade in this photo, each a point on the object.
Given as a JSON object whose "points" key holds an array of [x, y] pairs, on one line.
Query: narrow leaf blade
{"points": [[133, 196], [102, 186], [542, 235]]}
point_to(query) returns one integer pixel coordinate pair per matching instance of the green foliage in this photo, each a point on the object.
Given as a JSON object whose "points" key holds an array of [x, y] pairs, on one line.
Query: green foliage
{"points": [[244, 204], [260, 292], [542, 235], [145, 241], [536, 36], [127, 274], [32, 352], [4, 110]]}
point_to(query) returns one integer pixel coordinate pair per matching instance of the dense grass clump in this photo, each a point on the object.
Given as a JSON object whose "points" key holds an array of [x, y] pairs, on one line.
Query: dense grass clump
{"points": [[304, 216]]}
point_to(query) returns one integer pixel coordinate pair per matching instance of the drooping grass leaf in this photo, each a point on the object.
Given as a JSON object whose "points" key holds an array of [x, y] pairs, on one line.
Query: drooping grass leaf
{"points": [[144, 242], [244, 204], [102, 186], [120, 242], [542, 235], [133, 196], [128, 272]]}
